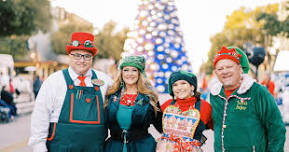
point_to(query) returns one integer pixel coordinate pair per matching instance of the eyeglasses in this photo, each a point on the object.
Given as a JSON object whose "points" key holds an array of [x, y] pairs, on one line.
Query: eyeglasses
{"points": [[77, 56], [86, 43]]}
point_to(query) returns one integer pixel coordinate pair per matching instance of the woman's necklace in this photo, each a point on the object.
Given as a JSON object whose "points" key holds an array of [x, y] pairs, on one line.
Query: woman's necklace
{"points": [[128, 99]]}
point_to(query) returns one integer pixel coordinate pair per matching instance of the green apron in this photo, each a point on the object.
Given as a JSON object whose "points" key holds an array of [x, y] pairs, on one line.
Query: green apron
{"points": [[80, 127]]}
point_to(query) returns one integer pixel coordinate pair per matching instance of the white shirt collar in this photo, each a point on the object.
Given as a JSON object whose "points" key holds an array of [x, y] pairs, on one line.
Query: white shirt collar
{"points": [[74, 75]]}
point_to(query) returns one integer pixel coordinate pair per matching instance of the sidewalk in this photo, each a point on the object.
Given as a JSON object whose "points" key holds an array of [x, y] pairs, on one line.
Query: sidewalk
{"points": [[14, 135]]}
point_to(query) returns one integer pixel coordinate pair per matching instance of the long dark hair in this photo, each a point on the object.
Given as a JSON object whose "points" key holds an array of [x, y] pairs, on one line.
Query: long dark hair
{"points": [[198, 95]]}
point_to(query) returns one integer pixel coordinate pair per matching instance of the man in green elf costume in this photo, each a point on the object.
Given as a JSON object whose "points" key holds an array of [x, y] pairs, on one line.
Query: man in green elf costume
{"points": [[68, 113], [245, 115]]}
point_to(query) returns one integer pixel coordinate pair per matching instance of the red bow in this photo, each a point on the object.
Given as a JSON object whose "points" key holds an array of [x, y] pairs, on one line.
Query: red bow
{"points": [[232, 51], [181, 144]]}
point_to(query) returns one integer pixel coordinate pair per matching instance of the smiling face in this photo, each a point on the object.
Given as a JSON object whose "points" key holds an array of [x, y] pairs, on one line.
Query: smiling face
{"points": [[130, 75], [82, 65], [182, 89], [228, 73]]}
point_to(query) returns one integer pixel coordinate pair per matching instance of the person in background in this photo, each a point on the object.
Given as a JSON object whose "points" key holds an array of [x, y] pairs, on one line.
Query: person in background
{"points": [[131, 106], [185, 117], [11, 87], [245, 115], [268, 83], [8, 99], [37, 82], [113, 69], [68, 113]]}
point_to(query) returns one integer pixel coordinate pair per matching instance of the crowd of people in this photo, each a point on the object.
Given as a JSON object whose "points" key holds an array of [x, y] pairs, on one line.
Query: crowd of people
{"points": [[10, 89], [81, 109]]}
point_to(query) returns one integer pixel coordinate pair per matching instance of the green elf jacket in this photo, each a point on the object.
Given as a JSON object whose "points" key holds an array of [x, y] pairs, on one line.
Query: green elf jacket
{"points": [[247, 121]]}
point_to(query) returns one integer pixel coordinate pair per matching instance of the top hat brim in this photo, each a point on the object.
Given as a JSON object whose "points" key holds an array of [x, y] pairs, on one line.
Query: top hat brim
{"points": [[69, 48]]}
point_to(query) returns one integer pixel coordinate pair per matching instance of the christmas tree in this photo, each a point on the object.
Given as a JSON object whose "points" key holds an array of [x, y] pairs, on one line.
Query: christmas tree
{"points": [[156, 34]]}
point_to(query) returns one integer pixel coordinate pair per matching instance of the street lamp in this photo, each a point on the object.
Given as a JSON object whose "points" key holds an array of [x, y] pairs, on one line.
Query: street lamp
{"points": [[256, 56]]}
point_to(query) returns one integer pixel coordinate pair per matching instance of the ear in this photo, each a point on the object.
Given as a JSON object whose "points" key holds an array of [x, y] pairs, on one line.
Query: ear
{"points": [[241, 69], [214, 71], [193, 88]]}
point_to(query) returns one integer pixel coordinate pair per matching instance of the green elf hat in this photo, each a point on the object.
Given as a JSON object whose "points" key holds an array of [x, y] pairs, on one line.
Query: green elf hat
{"points": [[235, 54], [134, 61], [243, 59], [182, 75], [226, 53]]}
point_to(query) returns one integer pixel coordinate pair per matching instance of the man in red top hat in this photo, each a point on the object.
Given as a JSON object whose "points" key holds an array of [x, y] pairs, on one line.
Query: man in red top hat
{"points": [[68, 112]]}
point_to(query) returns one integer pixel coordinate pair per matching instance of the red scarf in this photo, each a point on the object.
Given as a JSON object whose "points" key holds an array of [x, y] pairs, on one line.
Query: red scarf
{"points": [[185, 104]]}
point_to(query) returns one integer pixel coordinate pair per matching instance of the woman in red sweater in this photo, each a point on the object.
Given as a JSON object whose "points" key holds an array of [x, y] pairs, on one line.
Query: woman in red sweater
{"points": [[185, 116]]}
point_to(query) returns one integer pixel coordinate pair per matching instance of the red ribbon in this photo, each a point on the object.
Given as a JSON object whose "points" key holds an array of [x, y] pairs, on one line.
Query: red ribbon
{"points": [[231, 51], [181, 144]]}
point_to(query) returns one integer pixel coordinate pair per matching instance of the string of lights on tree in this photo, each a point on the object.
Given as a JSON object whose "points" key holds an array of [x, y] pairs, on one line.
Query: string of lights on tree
{"points": [[156, 34]]}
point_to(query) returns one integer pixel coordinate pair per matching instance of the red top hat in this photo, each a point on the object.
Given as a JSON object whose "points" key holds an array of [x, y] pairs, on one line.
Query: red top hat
{"points": [[81, 41]]}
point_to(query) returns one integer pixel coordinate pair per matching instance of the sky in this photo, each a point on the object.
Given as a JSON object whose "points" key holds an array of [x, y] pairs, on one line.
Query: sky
{"points": [[199, 19]]}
